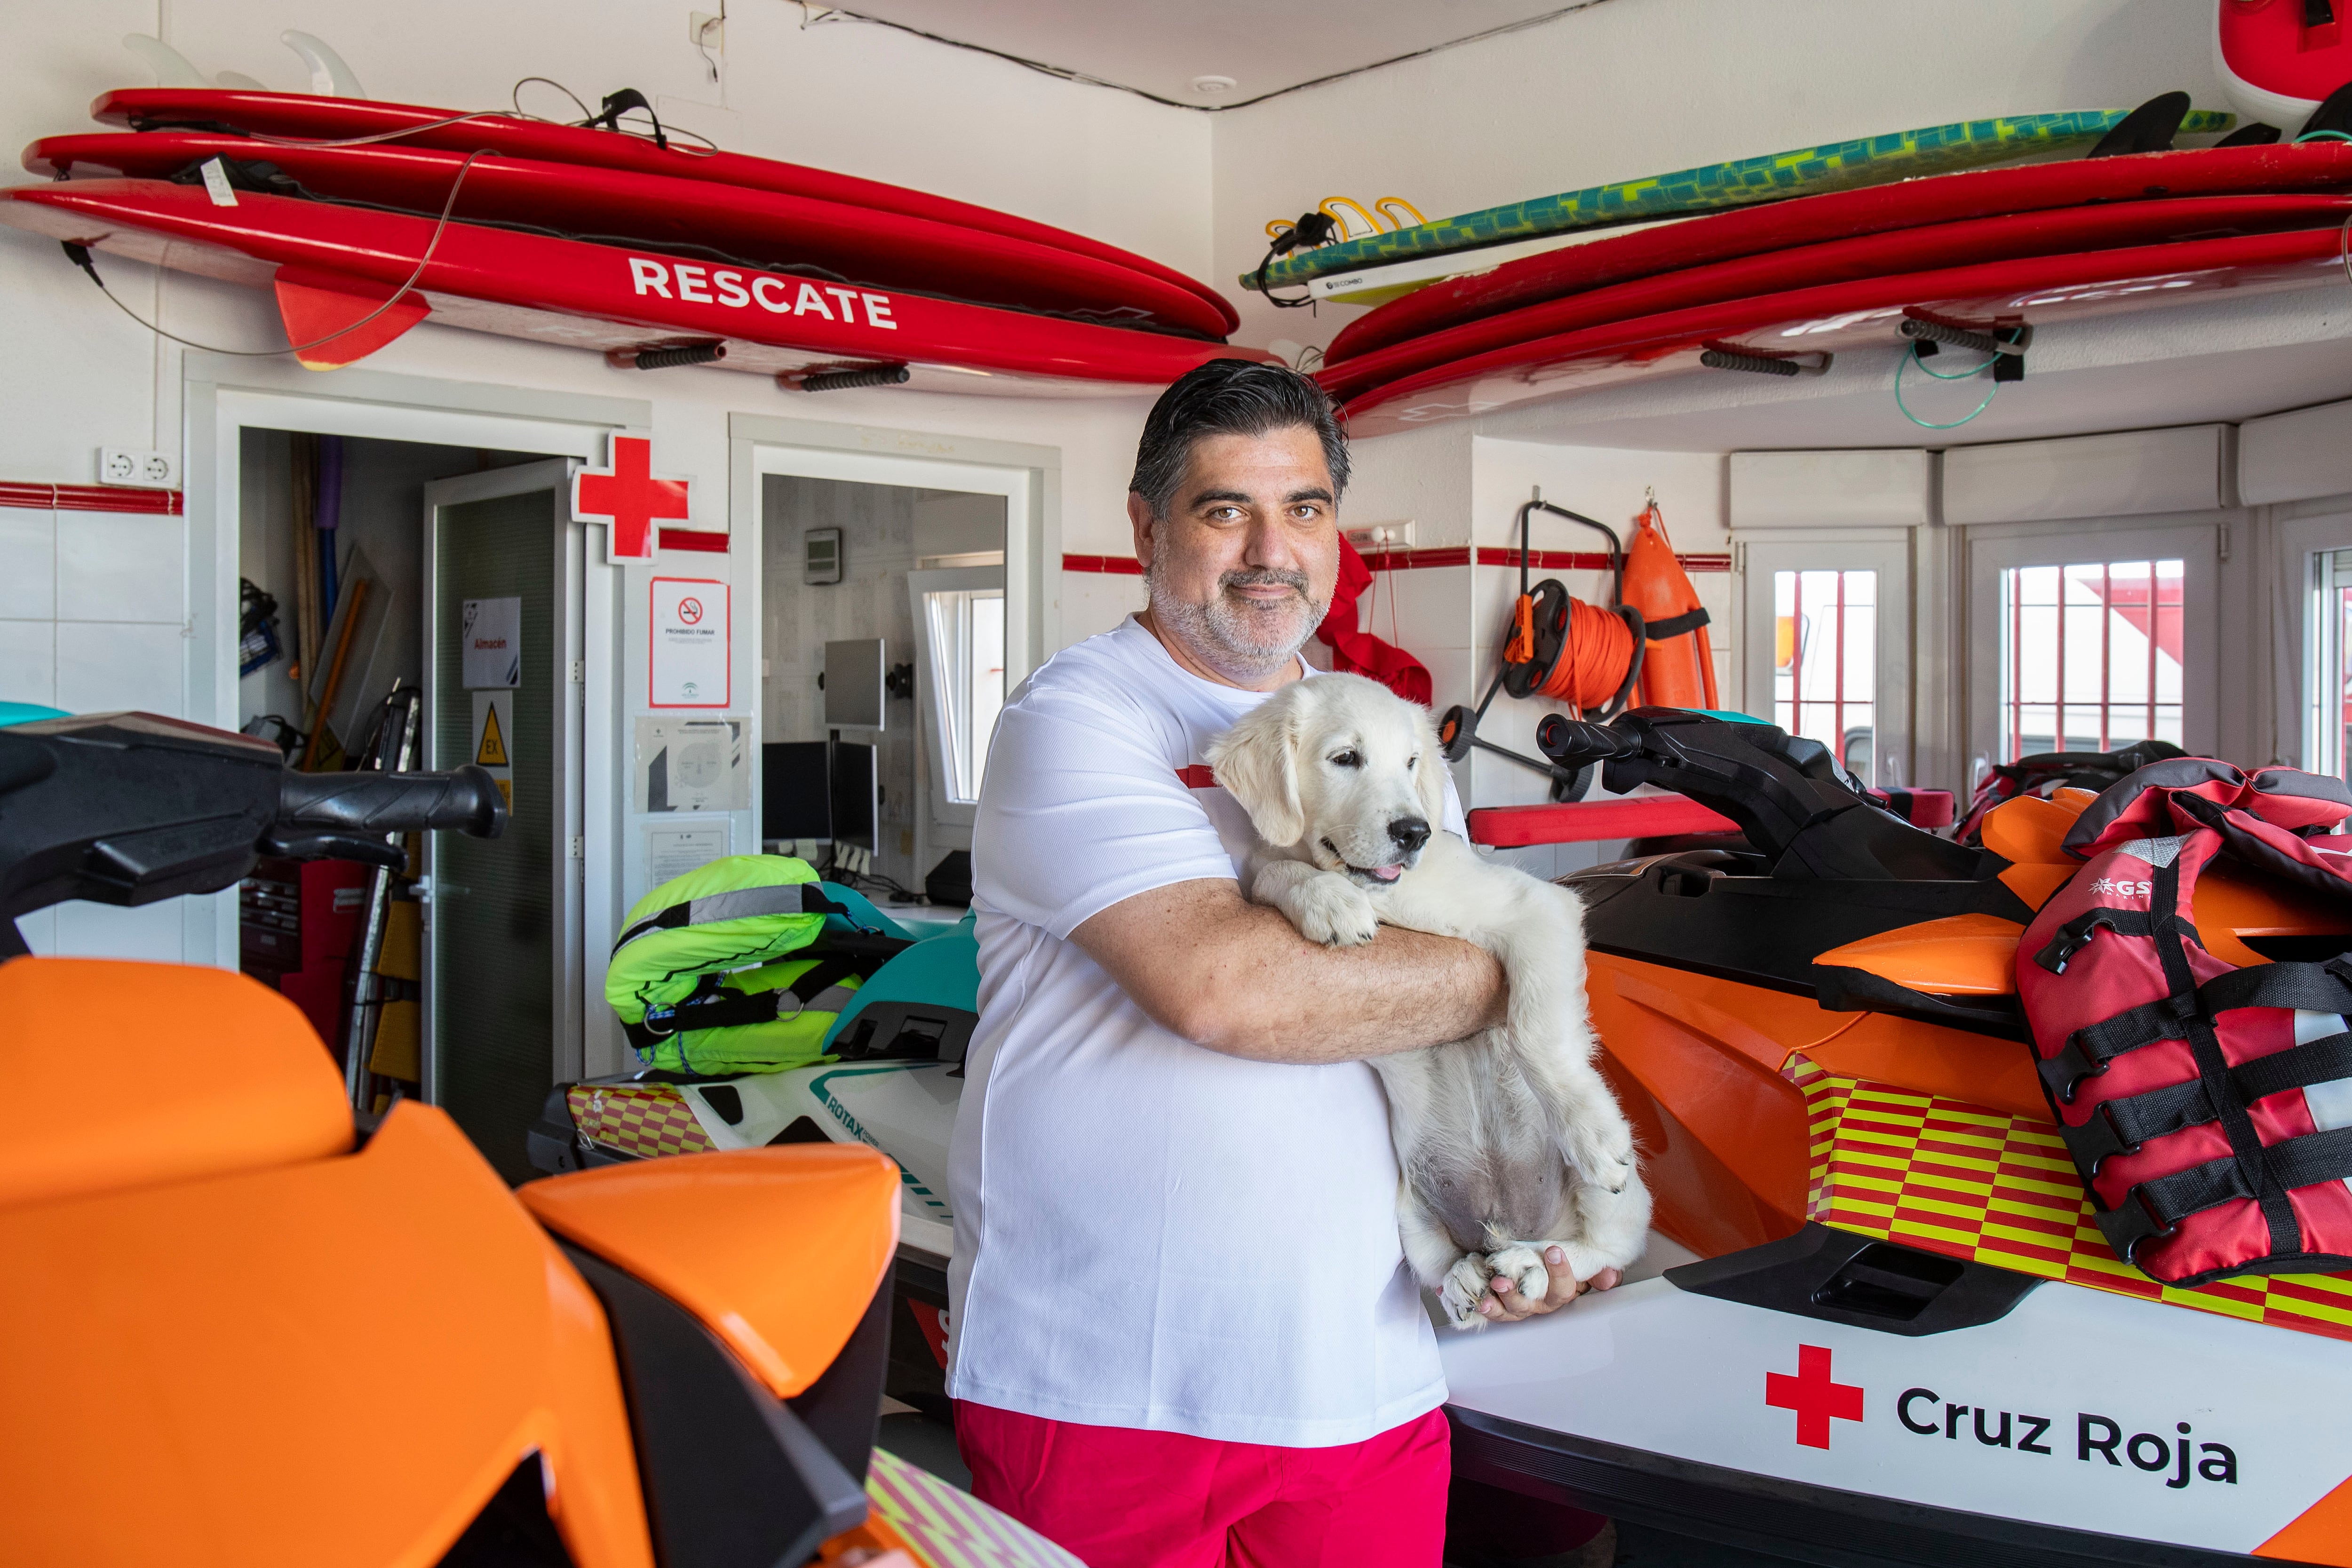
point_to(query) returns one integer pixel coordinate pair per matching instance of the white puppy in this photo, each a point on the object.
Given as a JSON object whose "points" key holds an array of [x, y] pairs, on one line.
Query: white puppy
{"points": [[1509, 1141]]}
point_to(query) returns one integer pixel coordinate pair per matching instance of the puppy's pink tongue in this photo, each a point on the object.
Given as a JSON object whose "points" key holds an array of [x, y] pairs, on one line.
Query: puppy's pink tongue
{"points": [[1388, 873]]}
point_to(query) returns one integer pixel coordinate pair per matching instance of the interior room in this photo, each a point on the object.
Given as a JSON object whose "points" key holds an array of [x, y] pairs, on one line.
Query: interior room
{"points": [[1514, 785]]}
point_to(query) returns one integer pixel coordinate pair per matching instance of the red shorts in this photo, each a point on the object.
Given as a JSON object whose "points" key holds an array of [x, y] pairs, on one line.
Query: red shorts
{"points": [[1120, 1497]]}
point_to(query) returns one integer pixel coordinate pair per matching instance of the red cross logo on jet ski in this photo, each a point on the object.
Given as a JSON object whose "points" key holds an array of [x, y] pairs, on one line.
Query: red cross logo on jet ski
{"points": [[630, 497], [1814, 1395]]}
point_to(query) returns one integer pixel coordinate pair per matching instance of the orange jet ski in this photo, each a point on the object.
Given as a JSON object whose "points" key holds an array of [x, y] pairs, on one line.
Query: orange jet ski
{"points": [[239, 1328], [1899, 1336]]}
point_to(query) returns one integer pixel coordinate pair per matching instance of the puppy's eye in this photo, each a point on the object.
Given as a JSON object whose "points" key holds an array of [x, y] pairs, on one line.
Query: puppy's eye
{"points": [[1346, 760], [1409, 762]]}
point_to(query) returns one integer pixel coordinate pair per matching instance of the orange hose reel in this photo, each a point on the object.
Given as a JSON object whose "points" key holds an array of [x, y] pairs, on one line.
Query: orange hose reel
{"points": [[1653, 641]]}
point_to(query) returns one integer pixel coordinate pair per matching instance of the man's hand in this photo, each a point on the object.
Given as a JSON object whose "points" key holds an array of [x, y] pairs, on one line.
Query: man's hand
{"points": [[1235, 976], [1506, 1303]]}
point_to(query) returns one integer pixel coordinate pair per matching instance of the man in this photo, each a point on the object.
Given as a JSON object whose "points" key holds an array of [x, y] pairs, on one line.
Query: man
{"points": [[1184, 1330]]}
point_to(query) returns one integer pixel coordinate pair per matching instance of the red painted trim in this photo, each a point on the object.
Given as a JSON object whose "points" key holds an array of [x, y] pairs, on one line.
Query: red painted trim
{"points": [[1590, 821], [1113, 565], [37, 497], [693, 539]]}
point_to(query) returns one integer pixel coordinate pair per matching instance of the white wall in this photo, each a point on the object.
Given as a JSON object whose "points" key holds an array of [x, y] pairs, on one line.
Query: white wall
{"points": [[1644, 86]]}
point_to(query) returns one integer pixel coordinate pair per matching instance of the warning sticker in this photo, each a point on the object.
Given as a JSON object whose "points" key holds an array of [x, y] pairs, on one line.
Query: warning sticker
{"points": [[493, 733]]}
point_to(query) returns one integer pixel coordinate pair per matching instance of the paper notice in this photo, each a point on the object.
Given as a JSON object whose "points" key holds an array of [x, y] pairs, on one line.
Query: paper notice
{"points": [[490, 632]]}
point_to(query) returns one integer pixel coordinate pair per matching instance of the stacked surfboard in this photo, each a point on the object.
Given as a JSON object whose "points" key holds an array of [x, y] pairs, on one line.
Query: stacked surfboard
{"points": [[1781, 285], [655, 253]]}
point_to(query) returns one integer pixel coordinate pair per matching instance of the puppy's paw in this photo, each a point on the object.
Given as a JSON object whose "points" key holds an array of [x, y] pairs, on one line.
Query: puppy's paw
{"points": [[1332, 910], [1523, 1266], [1463, 1289], [1600, 1148]]}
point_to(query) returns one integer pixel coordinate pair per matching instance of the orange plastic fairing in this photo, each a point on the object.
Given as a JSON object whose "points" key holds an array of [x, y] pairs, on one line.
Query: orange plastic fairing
{"points": [[1978, 1069], [1696, 1062], [1959, 955], [2030, 832], [777, 1250], [206, 1072], [2320, 1533], [211, 1373]]}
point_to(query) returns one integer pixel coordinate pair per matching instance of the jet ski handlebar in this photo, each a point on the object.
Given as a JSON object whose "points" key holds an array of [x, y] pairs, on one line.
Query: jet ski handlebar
{"points": [[465, 800], [1805, 815], [130, 809]]}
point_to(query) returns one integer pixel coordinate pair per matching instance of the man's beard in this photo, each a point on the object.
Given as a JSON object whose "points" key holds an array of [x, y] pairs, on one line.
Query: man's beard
{"points": [[1235, 636]]}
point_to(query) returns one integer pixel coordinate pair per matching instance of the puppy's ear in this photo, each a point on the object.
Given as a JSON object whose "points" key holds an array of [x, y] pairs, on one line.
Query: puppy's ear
{"points": [[1429, 773], [1257, 762]]}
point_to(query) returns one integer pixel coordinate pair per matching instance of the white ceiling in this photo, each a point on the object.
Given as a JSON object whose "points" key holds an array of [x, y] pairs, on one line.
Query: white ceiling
{"points": [[1263, 46]]}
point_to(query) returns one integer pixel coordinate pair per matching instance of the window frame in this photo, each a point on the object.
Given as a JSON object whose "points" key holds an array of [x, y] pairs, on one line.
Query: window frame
{"points": [[2194, 539], [951, 819], [1887, 552]]}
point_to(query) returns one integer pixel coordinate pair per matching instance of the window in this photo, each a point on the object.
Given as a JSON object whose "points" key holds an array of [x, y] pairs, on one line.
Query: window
{"points": [[2328, 723], [1825, 661], [966, 631], [2091, 656]]}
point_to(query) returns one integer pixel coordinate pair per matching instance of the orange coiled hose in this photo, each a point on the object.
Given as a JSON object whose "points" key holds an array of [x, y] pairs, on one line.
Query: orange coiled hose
{"points": [[1592, 664]]}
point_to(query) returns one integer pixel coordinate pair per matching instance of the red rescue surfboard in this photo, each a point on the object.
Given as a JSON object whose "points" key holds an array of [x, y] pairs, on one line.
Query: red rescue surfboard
{"points": [[1839, 316], [302, 115], [2024, 235], [859, 245], [1810, 220], [589, 296]]}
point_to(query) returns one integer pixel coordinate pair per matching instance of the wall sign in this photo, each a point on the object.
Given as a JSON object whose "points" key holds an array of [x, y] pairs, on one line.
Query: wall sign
{"points": [[490, 637], [493, 743], [691, 764], [689, 662]]}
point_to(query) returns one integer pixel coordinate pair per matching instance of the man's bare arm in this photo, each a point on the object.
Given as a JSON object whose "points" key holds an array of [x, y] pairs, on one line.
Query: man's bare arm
{"points": [[1237, 978]]}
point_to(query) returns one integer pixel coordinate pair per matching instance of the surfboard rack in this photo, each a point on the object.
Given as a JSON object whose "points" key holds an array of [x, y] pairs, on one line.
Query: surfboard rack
{"points": [[2006, 344], [1721, 356], [661, 356], [847, 378]]}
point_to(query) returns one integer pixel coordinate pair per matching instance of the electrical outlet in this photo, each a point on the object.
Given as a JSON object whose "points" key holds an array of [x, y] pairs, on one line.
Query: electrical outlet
{"points": [[142, 470], [707, 30], [1381, 536]]}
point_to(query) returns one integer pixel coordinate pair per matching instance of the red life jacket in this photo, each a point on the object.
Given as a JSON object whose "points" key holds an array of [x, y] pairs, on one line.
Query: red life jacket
{"points": [[2208, 1107]]}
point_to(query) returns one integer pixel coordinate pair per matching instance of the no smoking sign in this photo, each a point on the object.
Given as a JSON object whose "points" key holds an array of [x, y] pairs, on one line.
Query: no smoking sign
{"points": [[689, 657]]}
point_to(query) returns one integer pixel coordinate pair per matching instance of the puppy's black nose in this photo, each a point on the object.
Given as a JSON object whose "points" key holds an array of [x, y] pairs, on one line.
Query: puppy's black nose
{"points": [[1409, 833]]}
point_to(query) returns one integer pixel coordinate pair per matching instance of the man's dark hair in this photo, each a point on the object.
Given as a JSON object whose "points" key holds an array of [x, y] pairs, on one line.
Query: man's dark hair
{"points": [[1230, 397]]}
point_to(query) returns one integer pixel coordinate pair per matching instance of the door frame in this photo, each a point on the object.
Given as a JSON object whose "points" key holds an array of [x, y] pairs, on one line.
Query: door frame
{"points": [[220, 395], [1886, 550], [1029, 478], [2199, 539]]}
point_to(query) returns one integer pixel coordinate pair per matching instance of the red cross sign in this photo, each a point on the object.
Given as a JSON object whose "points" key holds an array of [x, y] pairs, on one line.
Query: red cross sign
{"points": [[629, 496], [1813, 1396]]}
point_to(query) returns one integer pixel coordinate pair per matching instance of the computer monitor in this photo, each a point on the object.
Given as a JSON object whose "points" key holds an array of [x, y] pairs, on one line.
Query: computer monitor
{"points": [[795, 791], [857, 803]]}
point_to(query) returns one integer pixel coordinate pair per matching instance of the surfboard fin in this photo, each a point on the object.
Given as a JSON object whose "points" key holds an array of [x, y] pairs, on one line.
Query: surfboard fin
{"points": [[333, 320], [2147, 128]]}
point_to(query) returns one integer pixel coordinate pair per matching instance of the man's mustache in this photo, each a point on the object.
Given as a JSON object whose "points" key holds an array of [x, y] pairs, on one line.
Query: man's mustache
{"points": [[1263, 577]]}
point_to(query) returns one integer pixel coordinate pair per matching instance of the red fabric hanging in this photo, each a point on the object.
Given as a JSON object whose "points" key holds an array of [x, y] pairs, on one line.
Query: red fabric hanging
{"points": [[1360, 653]]}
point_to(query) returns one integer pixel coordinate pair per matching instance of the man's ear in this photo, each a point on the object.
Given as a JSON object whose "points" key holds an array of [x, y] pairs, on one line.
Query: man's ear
{"points": [[1257, 763], [1429, 773], [1138, 518]]}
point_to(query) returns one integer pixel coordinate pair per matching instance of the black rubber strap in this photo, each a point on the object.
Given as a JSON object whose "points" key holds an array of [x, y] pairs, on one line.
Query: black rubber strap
{"points": [[2120, 1126], [2254, 1169], [2306, 988], [1674, 626], [2304, 1161]]}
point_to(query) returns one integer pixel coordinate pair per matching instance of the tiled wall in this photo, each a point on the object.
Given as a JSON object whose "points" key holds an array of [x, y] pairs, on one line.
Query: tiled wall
{"points": [[91, 620]]}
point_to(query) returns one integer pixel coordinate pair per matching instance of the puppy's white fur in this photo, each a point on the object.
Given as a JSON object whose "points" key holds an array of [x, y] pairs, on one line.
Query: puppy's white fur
{"points": [[1510, 1141]]}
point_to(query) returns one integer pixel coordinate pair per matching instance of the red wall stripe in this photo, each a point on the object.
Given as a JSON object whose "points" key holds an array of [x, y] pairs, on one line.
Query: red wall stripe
{"points": [[1115, 565], [693, 539], [1444, 555], [35, 497]]}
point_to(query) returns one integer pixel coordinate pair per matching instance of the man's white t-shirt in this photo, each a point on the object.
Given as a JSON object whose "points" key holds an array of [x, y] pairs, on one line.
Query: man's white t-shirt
{"points": [[1148, 1233]]}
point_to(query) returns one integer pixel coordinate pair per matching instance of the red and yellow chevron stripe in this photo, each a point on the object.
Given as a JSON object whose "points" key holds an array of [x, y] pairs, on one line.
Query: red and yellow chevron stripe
{"points": [[646, 1119], [1958, 1179]]}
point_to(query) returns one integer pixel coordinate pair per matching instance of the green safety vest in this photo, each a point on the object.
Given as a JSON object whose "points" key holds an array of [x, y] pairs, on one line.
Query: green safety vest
{"points": [[729, 969]]}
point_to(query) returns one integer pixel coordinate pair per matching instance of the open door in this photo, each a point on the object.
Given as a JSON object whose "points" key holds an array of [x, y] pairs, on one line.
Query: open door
{"points": [[514, 683]]}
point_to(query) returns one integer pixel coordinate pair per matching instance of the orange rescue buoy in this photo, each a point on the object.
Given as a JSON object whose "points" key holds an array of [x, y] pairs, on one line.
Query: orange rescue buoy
{"points": [[1679, 669]]}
